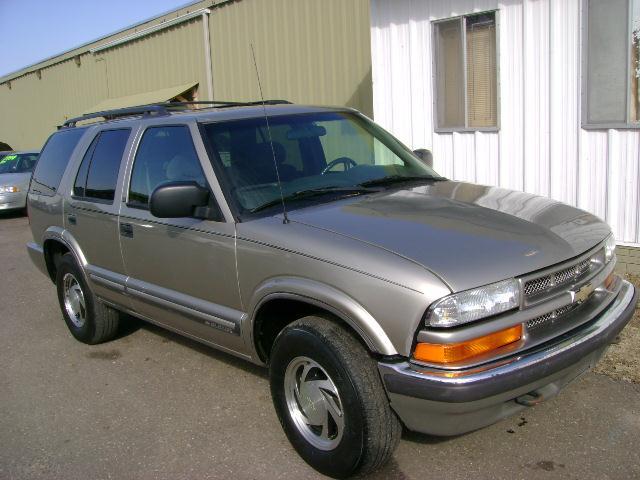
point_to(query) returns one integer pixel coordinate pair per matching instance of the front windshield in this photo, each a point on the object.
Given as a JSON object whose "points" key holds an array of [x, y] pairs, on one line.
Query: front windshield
{"points": [[18, 163], [313, 152]]}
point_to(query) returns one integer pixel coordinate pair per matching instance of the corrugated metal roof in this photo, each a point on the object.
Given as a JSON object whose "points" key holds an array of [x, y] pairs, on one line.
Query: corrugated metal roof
{"points": [[85, 47]]}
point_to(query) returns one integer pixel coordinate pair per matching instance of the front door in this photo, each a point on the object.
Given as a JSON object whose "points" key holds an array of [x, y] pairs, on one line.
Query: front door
{"points": [[181, 271]]}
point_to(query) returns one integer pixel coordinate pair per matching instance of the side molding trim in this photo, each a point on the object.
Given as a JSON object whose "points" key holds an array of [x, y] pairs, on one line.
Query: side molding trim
{"points": [[215, 316]]}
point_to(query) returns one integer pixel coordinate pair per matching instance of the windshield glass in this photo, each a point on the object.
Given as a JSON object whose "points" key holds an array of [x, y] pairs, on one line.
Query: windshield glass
{"points": [[18, 162], [327, 152]]}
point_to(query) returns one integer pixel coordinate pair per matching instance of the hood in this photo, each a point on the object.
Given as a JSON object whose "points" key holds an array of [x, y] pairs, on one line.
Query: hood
{"points": [[469, 235], [19, 179]]}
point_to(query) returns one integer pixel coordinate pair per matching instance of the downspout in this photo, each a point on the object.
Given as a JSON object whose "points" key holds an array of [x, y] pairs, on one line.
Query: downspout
{"points": [[207, 52]]}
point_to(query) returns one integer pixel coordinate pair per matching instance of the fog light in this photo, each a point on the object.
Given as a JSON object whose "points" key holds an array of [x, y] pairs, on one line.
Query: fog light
{"points": [[447, 353]]}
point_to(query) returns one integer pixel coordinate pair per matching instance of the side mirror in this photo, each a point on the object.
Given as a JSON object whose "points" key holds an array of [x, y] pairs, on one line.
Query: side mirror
{"points": [[178, 199], [425, 155]]}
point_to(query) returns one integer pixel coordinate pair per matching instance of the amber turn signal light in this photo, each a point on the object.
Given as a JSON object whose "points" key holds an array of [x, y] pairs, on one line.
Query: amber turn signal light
{"points": [[447, 353]]}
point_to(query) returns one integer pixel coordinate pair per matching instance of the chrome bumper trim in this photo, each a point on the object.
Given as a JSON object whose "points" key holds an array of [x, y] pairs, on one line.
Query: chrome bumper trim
{"points": [[510, 373]]}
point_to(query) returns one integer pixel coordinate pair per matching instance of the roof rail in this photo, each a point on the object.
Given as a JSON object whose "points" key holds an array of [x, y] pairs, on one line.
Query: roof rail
{"points": [[120, 112], [159, 109], [222, 104]]}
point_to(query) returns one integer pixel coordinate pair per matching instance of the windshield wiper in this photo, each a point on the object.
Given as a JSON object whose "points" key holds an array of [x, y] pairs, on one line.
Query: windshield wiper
{"points": [[314, 192], [399, 179]]}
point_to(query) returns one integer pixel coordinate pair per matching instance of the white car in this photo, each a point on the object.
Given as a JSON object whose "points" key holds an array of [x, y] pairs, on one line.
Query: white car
{"points": [[16, 169]]}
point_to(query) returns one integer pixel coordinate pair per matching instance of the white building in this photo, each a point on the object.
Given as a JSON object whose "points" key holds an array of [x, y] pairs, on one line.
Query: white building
{"points": [[533, 95]]}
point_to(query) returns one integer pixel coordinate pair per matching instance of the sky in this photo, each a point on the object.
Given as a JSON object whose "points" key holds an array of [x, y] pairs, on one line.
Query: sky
{"points": [[32, 30]]}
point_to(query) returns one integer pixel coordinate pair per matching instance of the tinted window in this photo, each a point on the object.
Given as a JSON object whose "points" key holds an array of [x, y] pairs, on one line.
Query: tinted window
{"points": [[103, 159], [55, 157], [165, 154], [81, 177]]}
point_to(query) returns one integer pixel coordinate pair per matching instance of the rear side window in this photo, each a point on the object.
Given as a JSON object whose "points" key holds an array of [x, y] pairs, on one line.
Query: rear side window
{"points": [[55, 157], [165, 154], [98, 173]]}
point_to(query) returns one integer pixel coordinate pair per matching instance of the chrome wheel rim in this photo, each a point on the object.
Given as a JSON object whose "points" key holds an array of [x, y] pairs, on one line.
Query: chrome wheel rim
{"points": [[314, 403], [74, 302]]}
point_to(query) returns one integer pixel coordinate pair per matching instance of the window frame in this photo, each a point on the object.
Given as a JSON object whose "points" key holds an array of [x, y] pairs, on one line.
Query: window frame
{"points": [[134, 154], [93, 144], [434, 73], [584, 84]]}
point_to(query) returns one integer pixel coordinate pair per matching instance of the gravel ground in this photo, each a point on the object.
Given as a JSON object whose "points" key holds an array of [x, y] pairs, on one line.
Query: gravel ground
{"points": [[622, 360]]}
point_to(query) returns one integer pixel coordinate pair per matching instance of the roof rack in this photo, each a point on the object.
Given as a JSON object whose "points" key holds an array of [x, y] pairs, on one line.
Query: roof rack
{"points": [[221, 104], [120, 112], [159, 109]]}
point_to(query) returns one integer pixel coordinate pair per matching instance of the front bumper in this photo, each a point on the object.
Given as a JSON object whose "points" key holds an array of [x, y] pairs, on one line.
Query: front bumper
{"points": [[11, 201], [445, 403]]}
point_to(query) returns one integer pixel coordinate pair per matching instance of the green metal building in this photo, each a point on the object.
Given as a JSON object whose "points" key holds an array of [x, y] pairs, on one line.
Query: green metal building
{"points": [[307, 51]]}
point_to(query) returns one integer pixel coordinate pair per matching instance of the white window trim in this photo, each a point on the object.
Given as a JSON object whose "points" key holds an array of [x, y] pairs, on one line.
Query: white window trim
{"points": [[584, 84], [434, 81]]}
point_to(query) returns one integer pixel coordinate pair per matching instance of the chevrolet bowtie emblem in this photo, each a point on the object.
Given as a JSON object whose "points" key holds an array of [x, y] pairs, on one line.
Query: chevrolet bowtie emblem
{"points": [[584, 293]]}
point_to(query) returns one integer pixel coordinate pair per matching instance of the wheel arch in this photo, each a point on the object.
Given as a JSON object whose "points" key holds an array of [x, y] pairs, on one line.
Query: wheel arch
{"points": [[298, 297], [56, 242]]}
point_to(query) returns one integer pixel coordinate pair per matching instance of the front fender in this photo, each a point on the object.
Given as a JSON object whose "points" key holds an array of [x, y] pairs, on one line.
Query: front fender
{"points": [[326, 297]]}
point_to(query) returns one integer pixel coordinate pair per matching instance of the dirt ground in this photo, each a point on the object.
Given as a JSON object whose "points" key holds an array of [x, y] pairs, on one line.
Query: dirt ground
{"points": [[622, 360]]}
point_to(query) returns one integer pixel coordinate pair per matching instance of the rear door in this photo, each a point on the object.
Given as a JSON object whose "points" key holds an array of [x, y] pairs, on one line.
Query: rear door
{"points": [[181, 270], [91, 214]]}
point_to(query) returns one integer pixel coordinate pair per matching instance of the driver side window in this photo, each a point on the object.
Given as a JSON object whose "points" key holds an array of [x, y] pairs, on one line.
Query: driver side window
{"points": [[165, 154]]}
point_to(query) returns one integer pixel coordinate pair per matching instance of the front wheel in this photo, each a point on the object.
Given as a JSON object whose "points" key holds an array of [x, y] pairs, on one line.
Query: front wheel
{"points": [[330, 400]]}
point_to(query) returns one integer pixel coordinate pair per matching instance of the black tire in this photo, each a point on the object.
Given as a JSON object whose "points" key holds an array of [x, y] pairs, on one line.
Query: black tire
{"points": [[371, 429], [100, 322]]}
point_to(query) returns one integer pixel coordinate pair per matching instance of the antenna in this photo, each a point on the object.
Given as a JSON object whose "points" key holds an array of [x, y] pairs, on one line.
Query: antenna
{"points": [[273, 152]]}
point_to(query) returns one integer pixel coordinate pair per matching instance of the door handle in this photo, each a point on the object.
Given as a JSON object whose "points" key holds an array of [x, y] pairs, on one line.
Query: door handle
{"points": [[126, 230], [71, 218]]}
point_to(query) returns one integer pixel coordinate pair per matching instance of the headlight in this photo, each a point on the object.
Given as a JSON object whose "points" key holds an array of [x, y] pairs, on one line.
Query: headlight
{"points": [[9, 189], [609, 249], [474, 304]]}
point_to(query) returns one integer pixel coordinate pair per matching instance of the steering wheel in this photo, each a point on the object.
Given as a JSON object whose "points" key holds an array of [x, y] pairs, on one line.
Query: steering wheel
{"points": [[346, 161]]}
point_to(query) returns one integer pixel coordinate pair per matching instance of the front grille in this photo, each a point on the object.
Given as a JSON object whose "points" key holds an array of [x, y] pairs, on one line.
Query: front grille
{"points": [[537, 285], [567, 275], [572, 273], [545, 319]]}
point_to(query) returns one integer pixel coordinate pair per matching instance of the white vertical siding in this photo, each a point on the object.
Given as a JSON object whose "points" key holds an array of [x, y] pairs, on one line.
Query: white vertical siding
{"points": [[564, 118], [540, 146], [535, 40]]}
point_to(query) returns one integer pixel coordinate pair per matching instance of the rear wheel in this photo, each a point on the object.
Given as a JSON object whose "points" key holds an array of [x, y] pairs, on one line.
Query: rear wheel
{"points": [[88, 319], [330, 400]]}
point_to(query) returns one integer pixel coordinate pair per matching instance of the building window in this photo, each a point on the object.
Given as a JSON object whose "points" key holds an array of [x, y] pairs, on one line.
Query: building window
{"points": [[466, 71], [612, 63]]}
